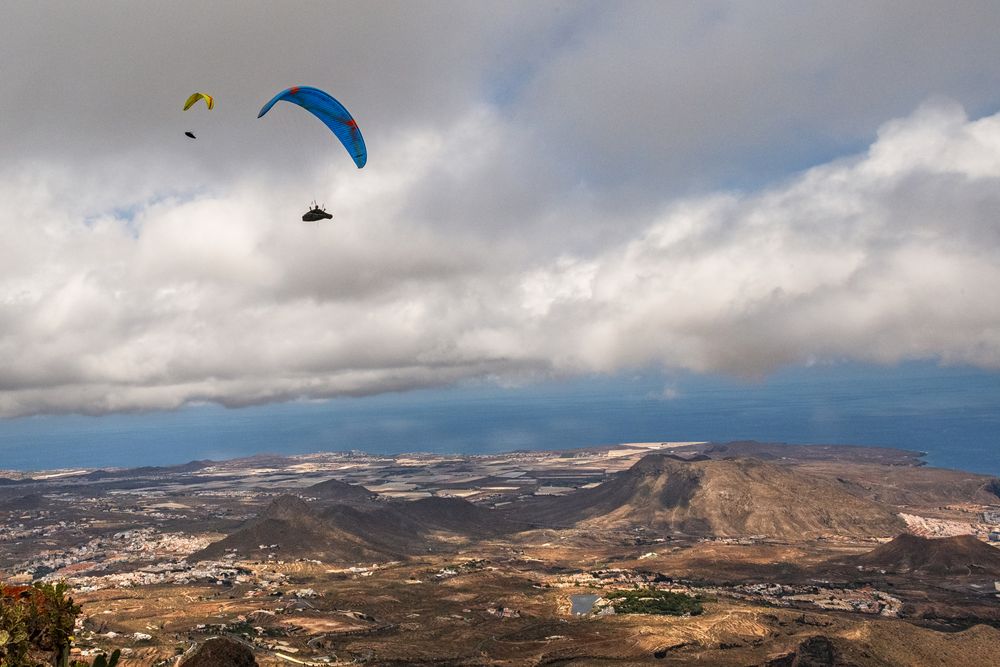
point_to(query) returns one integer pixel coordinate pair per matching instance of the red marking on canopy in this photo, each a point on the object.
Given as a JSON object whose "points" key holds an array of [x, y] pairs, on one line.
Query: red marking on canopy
{"points": [[294, 90], [350, 122]]}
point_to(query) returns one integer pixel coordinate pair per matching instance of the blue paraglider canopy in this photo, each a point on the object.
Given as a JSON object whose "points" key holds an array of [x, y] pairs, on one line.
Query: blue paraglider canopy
{"points": [[333, 114]]}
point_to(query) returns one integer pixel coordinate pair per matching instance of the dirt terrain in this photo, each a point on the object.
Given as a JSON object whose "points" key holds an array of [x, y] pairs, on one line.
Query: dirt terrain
{"points": [[797, 556], [725, 498]]}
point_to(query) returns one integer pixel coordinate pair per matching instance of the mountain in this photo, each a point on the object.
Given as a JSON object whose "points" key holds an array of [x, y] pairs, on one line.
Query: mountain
{"points": [[420, 525], [359, 531], [298, 531], [147, 471], [30, 501], [907, 485], [456, 516], [726, 498], [959, 555], [333, 490], [779, 451]]}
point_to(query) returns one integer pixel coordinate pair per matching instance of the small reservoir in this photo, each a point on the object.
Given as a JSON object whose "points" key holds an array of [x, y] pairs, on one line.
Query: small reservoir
{"points": [[583, 603]]}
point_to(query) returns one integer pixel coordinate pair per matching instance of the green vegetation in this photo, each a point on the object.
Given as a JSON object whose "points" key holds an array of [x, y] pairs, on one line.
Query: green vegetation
{"points": [[652, 601], [36, 627], [104, 661]]}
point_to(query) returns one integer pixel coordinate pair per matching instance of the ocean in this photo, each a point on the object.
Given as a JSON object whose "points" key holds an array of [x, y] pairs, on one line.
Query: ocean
{"points": [[951, 413]]}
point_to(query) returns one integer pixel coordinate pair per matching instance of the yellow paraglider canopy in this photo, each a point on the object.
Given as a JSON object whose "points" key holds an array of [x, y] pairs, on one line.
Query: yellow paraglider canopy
{"points": [[209, 101]]}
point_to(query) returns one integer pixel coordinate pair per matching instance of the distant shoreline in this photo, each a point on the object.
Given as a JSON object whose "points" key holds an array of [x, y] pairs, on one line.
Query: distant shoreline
{"points": [[757, 449], [948, 414]]}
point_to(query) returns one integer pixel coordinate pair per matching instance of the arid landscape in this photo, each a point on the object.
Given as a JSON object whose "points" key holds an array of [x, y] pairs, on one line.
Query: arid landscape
{"points": [[499, 333], [786, 555]]}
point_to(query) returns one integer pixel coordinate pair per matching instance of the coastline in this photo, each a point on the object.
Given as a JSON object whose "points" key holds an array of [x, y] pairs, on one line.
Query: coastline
{"points": [[625, 452]]}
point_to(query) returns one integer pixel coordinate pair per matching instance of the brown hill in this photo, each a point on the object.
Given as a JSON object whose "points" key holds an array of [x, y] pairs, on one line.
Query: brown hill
{"points": [[147, 471], [907, 485], [359, 531], [417, 526], [291, 524], [784, 452], [816, 651], [727, 498], [959, 555], [221, 652], [456, 516], [30, 501], [333, 490]]}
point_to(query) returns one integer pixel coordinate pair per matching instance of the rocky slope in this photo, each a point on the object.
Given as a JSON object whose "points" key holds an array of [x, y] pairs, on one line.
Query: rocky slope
{"points": [[951, 556], [726, 498], [363, 530], [299, 532], [335, 491]]}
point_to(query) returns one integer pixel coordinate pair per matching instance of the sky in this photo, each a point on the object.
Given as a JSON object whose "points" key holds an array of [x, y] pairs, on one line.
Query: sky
{"points": [[554, 190], [947, 412]]}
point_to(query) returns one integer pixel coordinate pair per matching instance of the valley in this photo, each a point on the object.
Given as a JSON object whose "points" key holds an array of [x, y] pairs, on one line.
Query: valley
{"points": [[845, 555]]}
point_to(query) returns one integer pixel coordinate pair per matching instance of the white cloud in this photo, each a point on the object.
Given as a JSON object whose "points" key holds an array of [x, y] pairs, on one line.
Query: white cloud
{"points": [[225, 297], [883, 258], [668, 393], [548, 192]]}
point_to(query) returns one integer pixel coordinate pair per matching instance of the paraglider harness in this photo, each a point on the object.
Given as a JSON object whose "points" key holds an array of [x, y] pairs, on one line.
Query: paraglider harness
{"points": [[316, 213]]}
